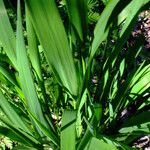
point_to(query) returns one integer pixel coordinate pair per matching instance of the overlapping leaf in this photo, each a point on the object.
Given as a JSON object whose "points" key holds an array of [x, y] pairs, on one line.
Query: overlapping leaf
{"points": [[77, 10], [33, 46], [68, 130], [11, 114], [52, 36], [25, 75], [7, 36], [96, 144]]}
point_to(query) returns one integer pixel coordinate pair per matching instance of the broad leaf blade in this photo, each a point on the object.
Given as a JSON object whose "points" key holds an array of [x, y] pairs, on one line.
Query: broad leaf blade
{"points": [[135, 7], [22, 147], [68, 130], [96, 144], [25, 75], [52, 36], [141, 81], [136, 128], [33, 46]]}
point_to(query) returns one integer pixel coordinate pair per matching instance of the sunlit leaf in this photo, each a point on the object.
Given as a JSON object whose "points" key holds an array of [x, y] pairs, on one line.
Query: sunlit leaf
{"points": [[52, 36], [25, 75], [68, 130], [7, 35]]}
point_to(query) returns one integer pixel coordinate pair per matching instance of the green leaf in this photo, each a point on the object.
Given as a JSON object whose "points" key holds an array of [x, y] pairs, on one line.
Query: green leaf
{"points": [[111, 113], [3, 79], [128, 9], [68, 130], [105, 1], [25, 75], [79, 112], [137, 128], [26, 138], [12, 135], [80, 105], [48, 132], [21, 147], [106, 77], [77, 11], [8, 76], [96, 144], [83, 100], [11, 114], [141, 81], [7, 35], [126, 29], [52, 36], [122, 67], [98, 111], [33, 46], [125, 12], [101, 29], [135, 7], [87, 135]]}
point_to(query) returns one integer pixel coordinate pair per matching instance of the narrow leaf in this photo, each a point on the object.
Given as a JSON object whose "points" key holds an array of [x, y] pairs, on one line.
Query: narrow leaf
{"points": [[29, 140], [101, 29], [13, 136], [126, 30], [11, 114], [77, 10], [7, 35], [8, 76], [46, 131]]}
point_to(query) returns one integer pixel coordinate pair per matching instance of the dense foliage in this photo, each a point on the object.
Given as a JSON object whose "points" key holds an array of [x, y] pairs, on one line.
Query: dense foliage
{"points": [[69, 77]]}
